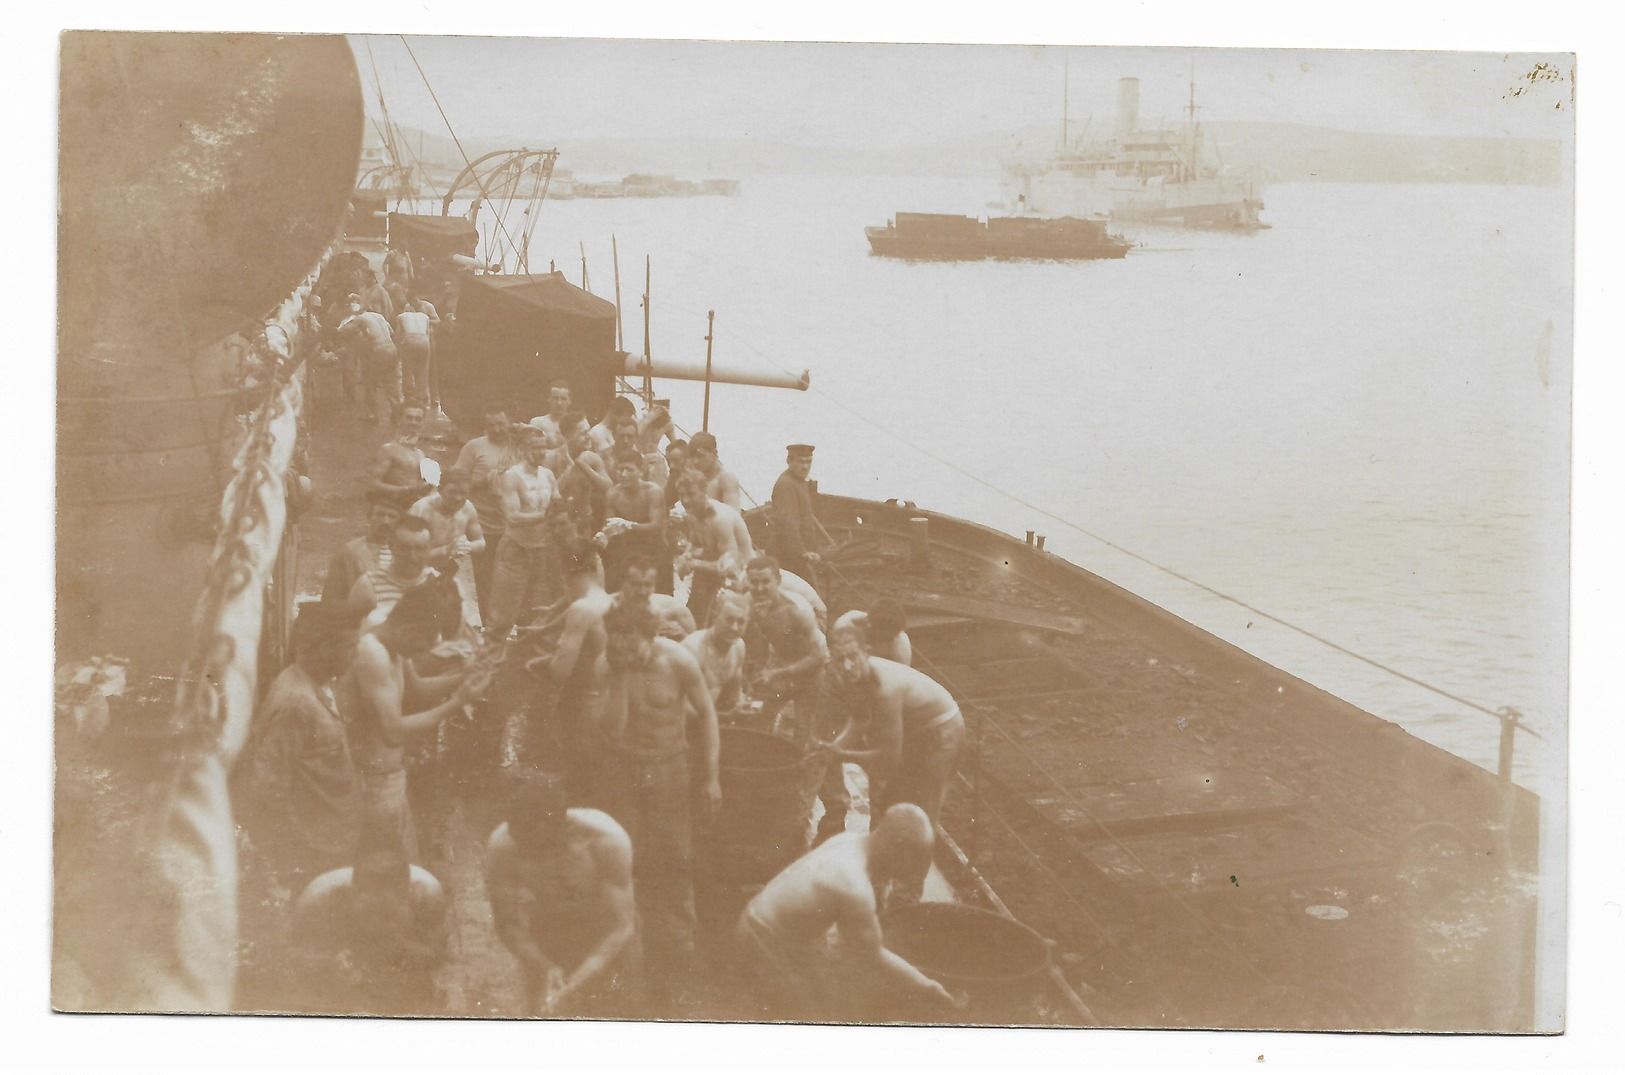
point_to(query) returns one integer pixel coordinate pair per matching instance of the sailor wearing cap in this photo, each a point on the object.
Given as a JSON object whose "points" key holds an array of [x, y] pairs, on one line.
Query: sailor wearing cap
{"points": [[797, 536]]}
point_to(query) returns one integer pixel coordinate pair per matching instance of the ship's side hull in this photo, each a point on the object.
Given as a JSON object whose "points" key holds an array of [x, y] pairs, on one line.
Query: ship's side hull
{"points": [[1219, 202], [1210, 840], [1453, 785]]}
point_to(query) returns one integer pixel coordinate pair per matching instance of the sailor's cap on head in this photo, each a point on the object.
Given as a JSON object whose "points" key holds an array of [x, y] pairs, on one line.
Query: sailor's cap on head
{"points": [[799, 449], [526, 427]]}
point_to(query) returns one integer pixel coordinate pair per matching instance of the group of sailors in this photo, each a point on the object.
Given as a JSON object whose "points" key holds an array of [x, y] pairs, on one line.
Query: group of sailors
{"points": [[380, 330], [624, 605]]}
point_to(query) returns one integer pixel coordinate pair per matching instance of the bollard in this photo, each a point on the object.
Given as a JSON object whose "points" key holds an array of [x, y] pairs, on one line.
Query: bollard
{"points": [[1040, 542], [919, 539], [1509, 726]]}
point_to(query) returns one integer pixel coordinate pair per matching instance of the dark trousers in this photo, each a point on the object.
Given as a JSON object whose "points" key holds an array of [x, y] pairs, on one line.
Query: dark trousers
{"points": [[414, 352], [650, 798], [924, 772], [525, 579], [836, 799]]}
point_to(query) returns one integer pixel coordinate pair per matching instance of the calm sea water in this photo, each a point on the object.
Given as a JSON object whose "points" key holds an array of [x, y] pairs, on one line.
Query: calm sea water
{"points": [[1356, 422]]}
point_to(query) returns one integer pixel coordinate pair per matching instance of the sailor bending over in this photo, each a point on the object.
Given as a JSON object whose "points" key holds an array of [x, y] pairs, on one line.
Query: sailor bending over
{"points": [[903, 727], [560, 883], [783, 934]]}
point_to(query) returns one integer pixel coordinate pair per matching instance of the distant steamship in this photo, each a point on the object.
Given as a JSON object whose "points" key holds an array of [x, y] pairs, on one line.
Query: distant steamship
{"points": [[1156, 175]]}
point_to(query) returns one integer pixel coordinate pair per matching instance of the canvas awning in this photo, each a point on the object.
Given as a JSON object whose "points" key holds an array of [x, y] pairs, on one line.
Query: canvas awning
{"points": [[515, 334], [432, 236]]}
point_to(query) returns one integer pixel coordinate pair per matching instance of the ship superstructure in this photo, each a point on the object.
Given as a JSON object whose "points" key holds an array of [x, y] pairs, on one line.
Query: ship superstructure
{"points": [[1153, 174]]}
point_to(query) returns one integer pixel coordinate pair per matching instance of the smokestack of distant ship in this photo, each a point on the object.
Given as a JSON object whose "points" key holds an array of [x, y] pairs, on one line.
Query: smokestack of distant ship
{"points": [[1128, 106]]}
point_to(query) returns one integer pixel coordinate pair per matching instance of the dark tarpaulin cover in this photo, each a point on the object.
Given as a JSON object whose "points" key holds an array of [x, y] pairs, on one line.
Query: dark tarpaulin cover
{"points": [[515, 334], [433, 236]]}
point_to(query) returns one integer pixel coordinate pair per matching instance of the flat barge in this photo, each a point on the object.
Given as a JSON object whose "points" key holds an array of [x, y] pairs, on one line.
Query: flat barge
{"points": [[944, 237]]}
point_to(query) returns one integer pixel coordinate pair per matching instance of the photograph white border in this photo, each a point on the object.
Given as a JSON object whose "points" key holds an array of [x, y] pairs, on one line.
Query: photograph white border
{"points": [[1596, 885]]}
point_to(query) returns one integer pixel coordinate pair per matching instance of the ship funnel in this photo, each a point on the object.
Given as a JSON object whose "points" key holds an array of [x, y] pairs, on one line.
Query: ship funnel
{"points": [[1128, 106]]}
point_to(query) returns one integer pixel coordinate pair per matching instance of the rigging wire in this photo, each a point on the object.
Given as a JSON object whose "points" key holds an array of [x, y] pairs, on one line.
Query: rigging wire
{"points": [[386, 129], [504, 186], [544, 179], [458, 141], [1505, 714], [986, 719], [389, 135]]}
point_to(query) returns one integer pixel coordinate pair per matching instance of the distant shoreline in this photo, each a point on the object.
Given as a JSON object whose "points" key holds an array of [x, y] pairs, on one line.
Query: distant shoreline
{"points": [[1287, 153]]}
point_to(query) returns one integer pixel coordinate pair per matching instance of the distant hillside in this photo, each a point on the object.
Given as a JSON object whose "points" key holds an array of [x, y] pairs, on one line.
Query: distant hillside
{"points": [[1288, 152], [1294, 153]]}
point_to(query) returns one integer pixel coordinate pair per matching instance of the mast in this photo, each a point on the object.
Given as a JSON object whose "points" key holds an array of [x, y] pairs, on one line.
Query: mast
{"points": [[615, 260], [1191, 127], [710, 334], [1066, 97], [648, 378]]}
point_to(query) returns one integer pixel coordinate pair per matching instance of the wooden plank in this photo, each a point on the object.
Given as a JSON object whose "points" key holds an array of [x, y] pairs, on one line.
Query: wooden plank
{"points": [[1187, 801], [1000, 611], [932, 622], [1124, 760]]}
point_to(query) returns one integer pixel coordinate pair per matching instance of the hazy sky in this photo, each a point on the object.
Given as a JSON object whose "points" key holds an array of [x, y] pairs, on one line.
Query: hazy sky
{"points": [[873, 95]]}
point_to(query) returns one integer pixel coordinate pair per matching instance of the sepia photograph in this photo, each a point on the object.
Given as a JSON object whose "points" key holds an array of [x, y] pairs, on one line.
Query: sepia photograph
{"points": [[813, 532]]}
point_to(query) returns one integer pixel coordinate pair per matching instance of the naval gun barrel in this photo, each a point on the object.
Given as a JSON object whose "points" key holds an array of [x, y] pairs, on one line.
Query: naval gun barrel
{"points": [[463, 261], [640, 365]]}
